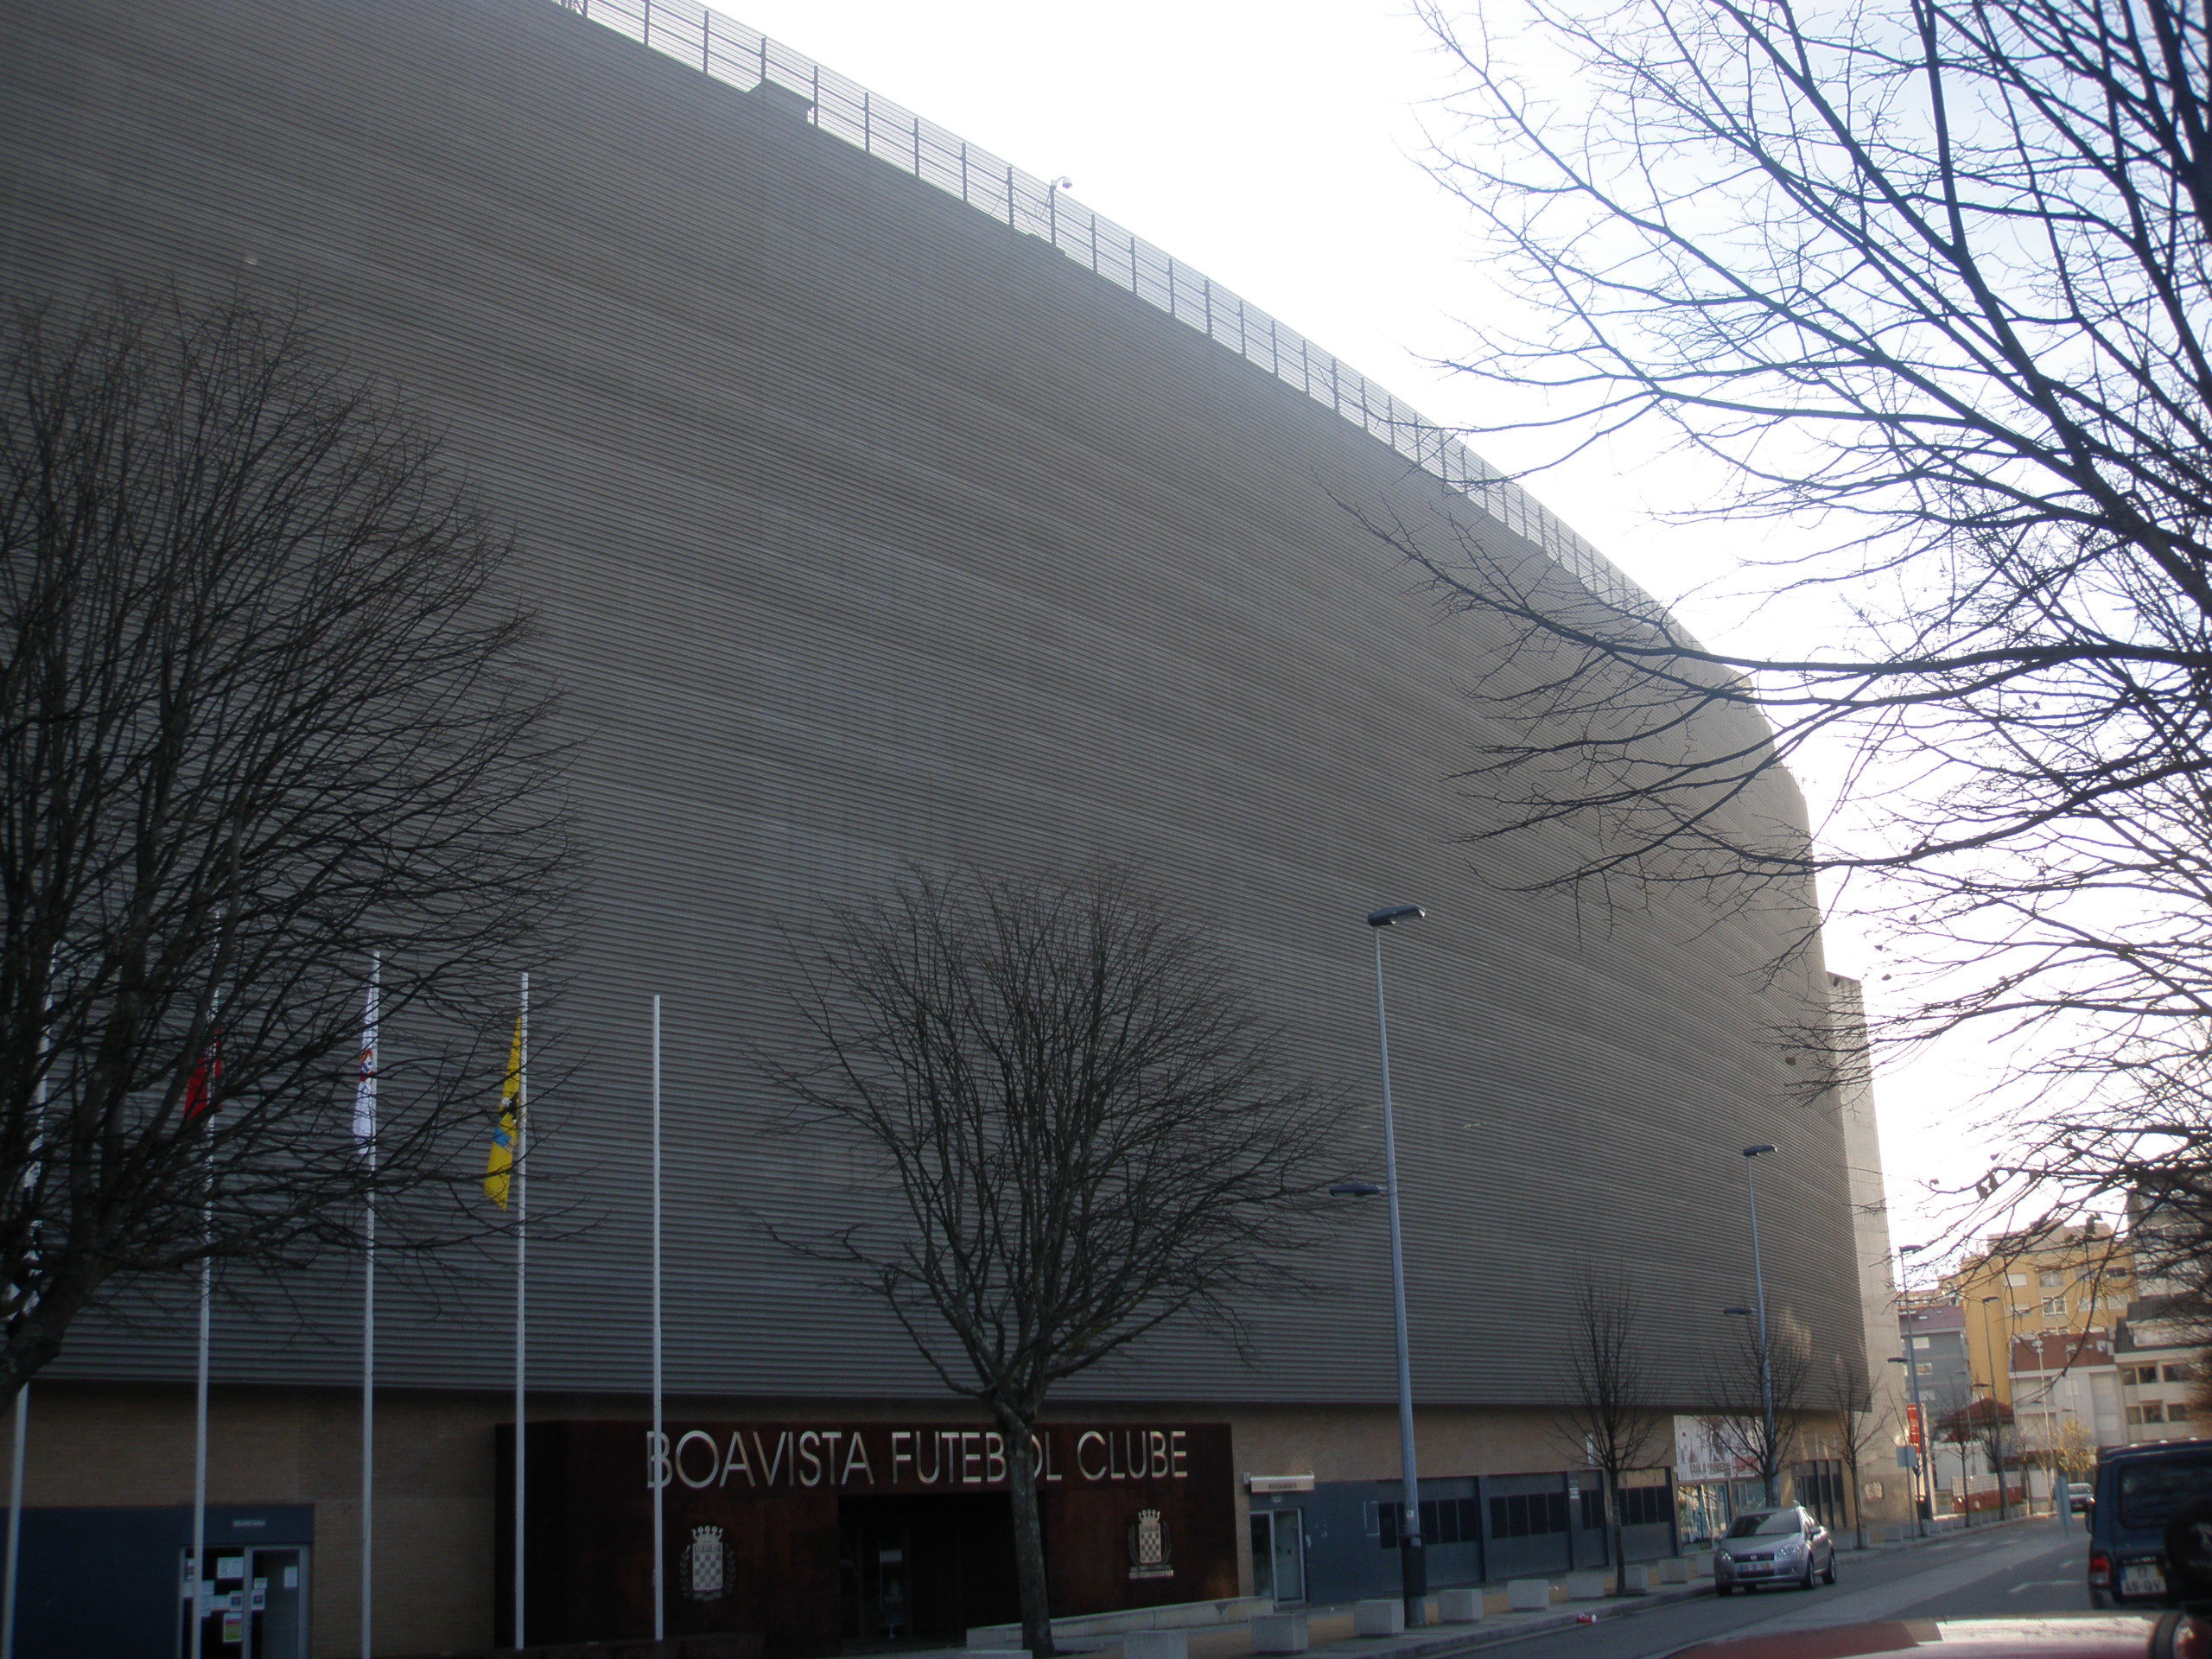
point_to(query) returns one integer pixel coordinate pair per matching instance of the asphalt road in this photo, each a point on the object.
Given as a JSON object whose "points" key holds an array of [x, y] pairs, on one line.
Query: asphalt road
{"points": [[2029, 1568]]}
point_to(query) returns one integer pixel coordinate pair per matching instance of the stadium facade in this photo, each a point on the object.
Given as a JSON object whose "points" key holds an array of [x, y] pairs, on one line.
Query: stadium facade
{"points": [[884, 506]]}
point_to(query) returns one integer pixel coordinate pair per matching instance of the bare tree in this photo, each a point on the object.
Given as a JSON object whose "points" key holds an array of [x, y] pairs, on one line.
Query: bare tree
{"points": [[261, 726], [1081, 1130], [1986, 1421], [1614, 1418], [1862, 1427], [1955, 1425], [1763, 1396], [1925, 282]]}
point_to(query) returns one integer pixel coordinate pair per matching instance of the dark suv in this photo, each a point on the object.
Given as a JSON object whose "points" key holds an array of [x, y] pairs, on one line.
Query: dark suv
{"points": [[2139, 1490]]}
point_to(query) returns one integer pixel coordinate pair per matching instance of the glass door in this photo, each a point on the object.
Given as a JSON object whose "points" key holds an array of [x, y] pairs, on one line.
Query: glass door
{"points": [[253, 1606], [277, 1604], [222, 1606], [1279, 1554]]}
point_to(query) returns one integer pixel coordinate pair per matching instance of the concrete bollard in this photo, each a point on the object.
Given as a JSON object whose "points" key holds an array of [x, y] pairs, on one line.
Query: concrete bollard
{"points": [[1459, 1606], [1382, 1616], [1529, 1595], [1279, 1633], [1588, 1587], [1156, 1644], [1675, 1569], [1639, 1578]]}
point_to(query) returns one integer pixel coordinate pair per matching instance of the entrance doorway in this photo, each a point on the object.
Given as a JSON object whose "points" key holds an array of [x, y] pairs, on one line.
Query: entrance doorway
{"points": [[1279, 1554], [924, 1567], [256, 1603]]}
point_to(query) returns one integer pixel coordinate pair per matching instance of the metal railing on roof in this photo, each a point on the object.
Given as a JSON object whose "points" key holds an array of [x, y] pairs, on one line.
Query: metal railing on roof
{"points": [[730, 51]]}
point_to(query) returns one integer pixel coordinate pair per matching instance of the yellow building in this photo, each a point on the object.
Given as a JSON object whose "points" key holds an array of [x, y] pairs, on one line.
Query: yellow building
{"points": [[2038, 1280]]}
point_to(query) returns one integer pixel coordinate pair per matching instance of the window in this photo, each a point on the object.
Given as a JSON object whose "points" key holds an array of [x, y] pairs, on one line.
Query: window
{"points": [[2152, 1492], [2050, 1279], [2179, 1373], [2054, 1307], [2139, 1374], [1766, 1523], [1452, 1520], [1926, 1367], [1443, 1521], [1643, 1506], [2016, 1278], [1527, 1514]]}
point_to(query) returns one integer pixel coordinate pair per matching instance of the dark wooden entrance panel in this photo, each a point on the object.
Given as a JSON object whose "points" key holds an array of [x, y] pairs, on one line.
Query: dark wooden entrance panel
{"points": [[1091, 1544], [589, 1538], [810, 1535], [924, 1566]]}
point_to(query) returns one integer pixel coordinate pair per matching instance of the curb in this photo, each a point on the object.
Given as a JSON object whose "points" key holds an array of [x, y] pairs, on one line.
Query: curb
{"points": [[1465, 1638], [1441, 1642]]}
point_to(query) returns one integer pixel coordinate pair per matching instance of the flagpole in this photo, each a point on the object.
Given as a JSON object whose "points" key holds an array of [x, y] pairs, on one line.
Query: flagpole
{"points": [[199, 1432], [365, 1130], [15, 1521], [522, 1245], [15, 1524], [200, 1580], [660, 1483]]}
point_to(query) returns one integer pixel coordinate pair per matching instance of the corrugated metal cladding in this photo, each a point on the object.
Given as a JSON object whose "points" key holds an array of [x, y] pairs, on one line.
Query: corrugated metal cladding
{"points": [[866, 530]]}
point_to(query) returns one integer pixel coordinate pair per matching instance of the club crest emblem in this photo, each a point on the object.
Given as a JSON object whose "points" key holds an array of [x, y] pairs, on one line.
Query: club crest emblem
{"points": [[708, 1569], [1149, 1547]]}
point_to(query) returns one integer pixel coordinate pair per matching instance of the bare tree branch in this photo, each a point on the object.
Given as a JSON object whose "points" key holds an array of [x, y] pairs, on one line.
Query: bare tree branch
{"points": [[1614, 1418], [261, 723], [1927, 281], [1080, 1130]]}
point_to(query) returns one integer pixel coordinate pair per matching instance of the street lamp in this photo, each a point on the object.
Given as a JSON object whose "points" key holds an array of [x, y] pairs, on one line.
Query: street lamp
{"points": [[1752, 1155], [1052, 206], [1919, 1453], [1413, 1558], [1924, 1501]]}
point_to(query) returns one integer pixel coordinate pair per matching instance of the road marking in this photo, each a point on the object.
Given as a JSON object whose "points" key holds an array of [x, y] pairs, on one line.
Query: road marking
{"points": [[1909, 1590]]}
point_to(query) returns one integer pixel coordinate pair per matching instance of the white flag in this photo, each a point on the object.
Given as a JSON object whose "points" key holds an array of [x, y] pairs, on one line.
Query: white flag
{"points": [[365, 1091]]}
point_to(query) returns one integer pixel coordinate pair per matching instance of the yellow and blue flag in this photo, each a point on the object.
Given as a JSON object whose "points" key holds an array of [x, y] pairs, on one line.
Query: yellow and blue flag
{"points": [[507, 1141]]}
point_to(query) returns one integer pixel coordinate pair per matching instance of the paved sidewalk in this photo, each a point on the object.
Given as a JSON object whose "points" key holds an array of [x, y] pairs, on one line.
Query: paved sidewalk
{"points": [[1331, 1627]]}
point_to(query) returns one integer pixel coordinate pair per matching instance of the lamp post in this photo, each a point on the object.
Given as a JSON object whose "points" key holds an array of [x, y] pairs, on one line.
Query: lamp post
{"points": [[1412, 1557], [1924, 1501], [1752, 1155], [1920, 1505], [1052, 206]]}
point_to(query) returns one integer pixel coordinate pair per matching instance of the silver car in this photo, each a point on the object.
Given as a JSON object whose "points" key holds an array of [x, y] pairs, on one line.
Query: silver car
{"points": [[1787, 1546]]}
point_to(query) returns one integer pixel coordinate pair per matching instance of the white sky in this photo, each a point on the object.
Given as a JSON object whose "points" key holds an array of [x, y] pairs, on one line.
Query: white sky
{"points": [[1275, 147]]}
